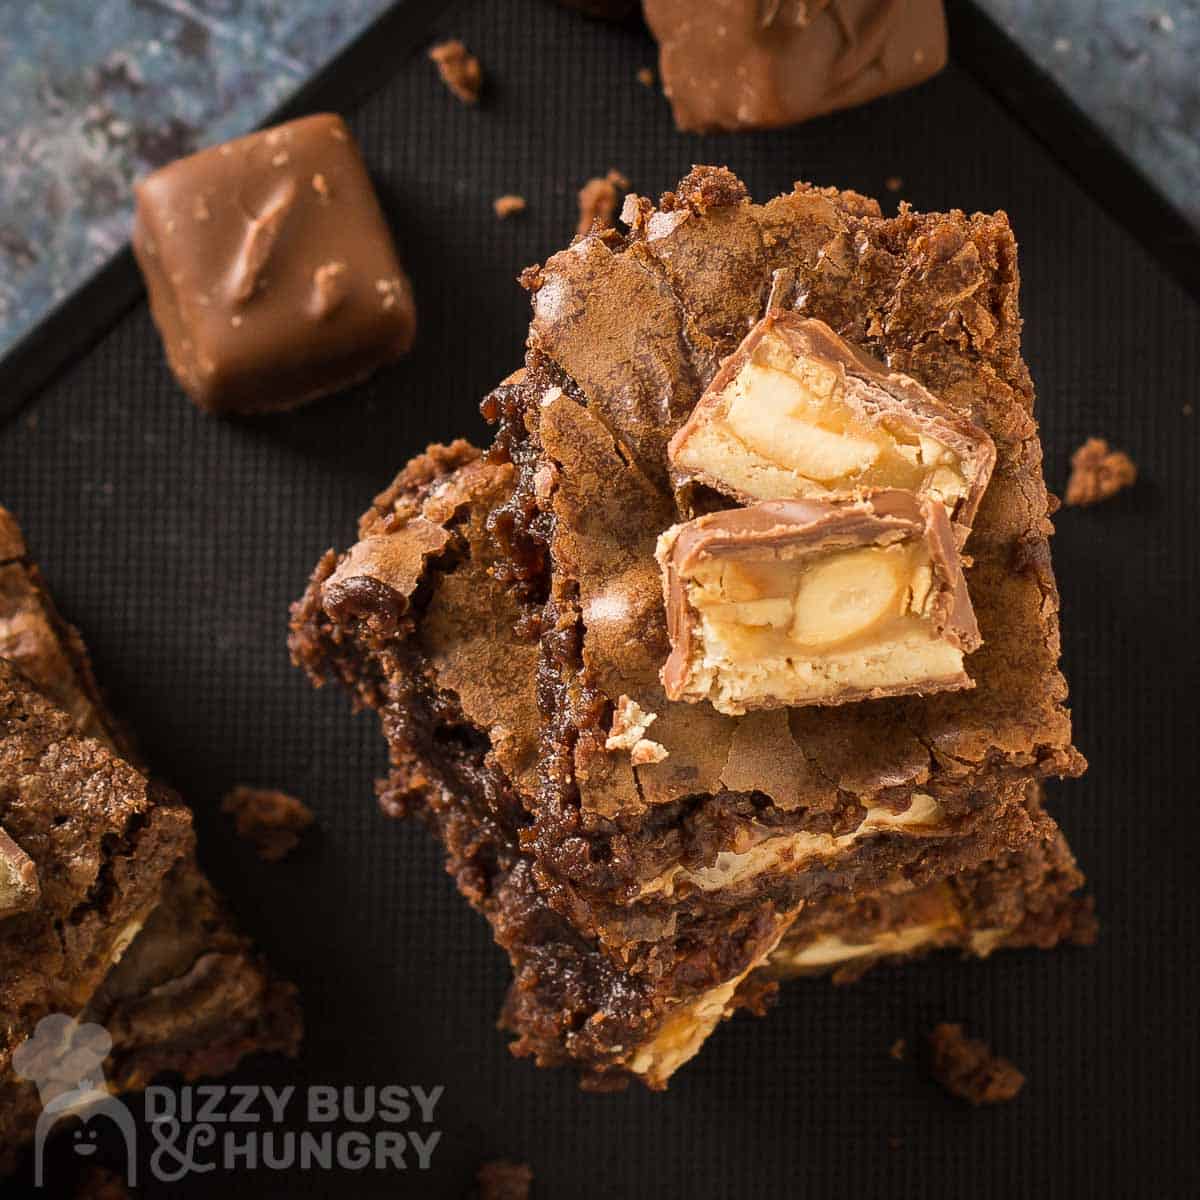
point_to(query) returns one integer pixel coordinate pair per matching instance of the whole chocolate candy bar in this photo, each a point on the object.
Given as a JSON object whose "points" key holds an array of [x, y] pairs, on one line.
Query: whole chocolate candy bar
{"points": [[756, 64], [798, 412], [794, 602], [272, 274]]}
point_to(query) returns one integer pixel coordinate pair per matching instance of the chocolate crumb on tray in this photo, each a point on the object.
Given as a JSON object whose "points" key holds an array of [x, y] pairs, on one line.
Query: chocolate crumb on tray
{"points": [[1097, 473], [272, 274], [967, 1068], [459, 69], [599, 200], [504, 1180], [272, 820], [508, 205], [101, 1183]]}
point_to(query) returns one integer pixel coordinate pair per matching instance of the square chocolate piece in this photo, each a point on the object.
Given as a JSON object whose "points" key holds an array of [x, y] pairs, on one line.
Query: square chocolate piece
{"points": [[272, 275], [792, 602], [758, 64]]}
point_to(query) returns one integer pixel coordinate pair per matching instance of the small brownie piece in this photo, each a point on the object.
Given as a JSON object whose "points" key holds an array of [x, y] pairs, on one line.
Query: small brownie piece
{"points": [[271, 819], [757, 64], [599, 200], [1097, 473], [272, 275], [459, 69], [792, 602], [797, 411], [967, 1068], [503, 1180]]}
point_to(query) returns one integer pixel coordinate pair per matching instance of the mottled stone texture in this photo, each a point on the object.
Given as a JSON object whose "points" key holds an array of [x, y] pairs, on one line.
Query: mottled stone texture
{"points": [[94, 93], [1131, 65]]}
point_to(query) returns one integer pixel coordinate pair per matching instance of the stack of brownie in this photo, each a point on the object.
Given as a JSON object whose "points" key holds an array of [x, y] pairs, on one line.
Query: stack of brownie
{"points": [[736, 656], [105, 917]]}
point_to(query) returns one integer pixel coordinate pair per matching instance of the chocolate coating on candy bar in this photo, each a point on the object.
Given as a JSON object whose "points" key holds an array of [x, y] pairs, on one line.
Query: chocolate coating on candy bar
{"points": [[19, 890], [757, 64], [797, 412], [792, 602], [272, 275]]}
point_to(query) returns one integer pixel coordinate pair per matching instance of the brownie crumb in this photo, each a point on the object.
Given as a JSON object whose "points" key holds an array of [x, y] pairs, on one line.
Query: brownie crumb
{"points": [[1098, 472], [899, 1049], [893, 183], [598, 200], [459, 69], [967, 1068], [99, 1183], [645, 76], [503, 1180], [508, 205], [273, 821]]}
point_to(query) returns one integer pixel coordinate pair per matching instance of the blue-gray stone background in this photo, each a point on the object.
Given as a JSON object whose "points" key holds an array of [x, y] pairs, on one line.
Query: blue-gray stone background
{"points": [[1132, 66], [94, 93]]}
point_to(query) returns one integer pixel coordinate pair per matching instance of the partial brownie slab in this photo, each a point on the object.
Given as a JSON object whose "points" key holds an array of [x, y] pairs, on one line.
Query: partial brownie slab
{"points": [[102, 839], [158, 962], [627, 334]]}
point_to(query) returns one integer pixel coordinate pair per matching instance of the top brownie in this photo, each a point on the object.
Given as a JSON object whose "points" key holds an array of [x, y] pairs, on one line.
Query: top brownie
{"points": [[627, 333]]}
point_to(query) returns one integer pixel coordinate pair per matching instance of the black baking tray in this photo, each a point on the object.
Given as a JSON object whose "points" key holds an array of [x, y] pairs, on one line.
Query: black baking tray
{"points": [[177, 542]]}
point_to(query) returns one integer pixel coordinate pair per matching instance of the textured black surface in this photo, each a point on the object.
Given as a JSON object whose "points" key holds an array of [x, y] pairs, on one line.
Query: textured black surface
{"points": [[178, 541]]}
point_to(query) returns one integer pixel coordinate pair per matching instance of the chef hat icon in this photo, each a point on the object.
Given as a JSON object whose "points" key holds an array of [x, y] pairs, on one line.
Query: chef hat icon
{"points": [[63, 1055]]}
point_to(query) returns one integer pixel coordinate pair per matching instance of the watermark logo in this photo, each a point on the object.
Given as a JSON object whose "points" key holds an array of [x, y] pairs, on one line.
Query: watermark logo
{"points": [[64, 1058], [202, 1128]]}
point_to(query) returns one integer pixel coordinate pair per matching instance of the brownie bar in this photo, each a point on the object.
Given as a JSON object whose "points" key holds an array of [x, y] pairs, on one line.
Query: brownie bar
{"points": [[417, 622], [187, 993], [627, 333]]}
